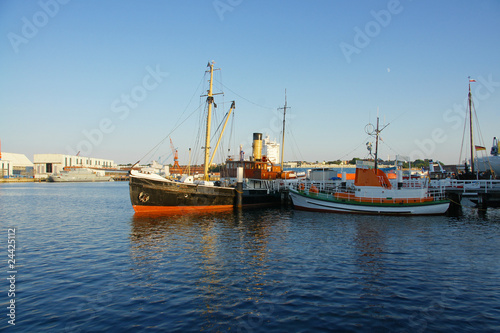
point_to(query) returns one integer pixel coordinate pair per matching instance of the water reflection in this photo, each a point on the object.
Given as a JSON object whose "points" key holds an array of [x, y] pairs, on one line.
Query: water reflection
{"points": [[369, 242], [217, 261]]}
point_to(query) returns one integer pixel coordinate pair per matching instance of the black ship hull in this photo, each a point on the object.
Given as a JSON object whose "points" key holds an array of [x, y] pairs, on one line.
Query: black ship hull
{"points": [[261, 197], [149, 195]]}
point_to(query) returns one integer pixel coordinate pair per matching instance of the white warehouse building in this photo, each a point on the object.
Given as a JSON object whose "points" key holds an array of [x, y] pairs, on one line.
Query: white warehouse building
{"points": [[15, 165], [47, 164]]}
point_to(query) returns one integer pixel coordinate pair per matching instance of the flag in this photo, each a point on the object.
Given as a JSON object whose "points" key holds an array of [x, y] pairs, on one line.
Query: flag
{"points": [[472, 80], [480, 148]]}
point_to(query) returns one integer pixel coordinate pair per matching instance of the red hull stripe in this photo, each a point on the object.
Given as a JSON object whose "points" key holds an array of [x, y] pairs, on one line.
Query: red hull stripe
{"points": [[181, 209]]}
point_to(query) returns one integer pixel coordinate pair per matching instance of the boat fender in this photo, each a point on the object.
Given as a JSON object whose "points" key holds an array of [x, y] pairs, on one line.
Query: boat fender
{"points": [[143, 197]]}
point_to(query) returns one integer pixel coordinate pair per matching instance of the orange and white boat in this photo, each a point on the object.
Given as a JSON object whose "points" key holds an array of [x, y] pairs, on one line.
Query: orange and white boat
{"points": [[371, 193]]}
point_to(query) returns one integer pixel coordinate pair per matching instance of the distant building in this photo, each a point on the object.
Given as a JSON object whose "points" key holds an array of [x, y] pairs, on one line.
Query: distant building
{"points": [[272, 150], [47, 164], [290, 165], [15, 166]]}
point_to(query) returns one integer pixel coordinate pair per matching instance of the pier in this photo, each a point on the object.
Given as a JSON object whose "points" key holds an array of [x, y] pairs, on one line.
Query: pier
{"points": [[484, 193]]}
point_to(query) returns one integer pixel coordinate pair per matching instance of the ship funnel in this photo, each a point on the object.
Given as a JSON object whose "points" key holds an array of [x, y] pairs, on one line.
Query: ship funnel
{"points": [[257, 146]]}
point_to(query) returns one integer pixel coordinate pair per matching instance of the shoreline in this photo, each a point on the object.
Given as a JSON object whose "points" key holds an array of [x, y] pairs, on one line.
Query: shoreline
{"points": [[19, 180]]}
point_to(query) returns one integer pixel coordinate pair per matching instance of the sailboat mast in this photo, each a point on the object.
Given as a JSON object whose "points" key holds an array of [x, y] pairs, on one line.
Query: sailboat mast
{"points": [[376, 145], [471, 133], [283, 138], [210, 100]]}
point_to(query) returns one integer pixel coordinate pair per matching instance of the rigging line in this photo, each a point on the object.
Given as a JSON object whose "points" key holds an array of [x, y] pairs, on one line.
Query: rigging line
{"points": [[192, 97], [246, 99], [480, 134], [393, 120], [153, 154], [295, 149], [230, 134], [197, 142], [390, 148], [218, 127], [480, 139], [296, 144], [463, 138], [161, 142], [399, 116], [362, 143]]}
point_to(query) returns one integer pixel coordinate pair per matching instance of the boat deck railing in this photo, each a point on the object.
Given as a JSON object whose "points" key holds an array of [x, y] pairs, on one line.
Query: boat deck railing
{"points": [[329, 189], [271, 185], [471, 186]]}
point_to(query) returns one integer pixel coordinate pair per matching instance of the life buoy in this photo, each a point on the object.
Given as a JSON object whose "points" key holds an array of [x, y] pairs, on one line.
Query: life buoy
{"points": [[143, 197]]}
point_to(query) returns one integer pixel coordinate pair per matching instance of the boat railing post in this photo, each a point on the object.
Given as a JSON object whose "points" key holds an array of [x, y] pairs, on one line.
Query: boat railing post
{"points": [[239, 187]]}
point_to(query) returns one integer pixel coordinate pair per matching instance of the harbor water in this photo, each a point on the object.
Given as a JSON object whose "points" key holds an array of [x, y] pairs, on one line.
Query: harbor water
{"points": [[84, 262]]}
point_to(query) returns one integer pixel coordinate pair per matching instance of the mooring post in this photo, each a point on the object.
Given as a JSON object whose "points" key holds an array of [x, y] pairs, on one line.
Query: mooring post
{"points": [[482, 203], [239, 187], [284, 196], [455, 208]]}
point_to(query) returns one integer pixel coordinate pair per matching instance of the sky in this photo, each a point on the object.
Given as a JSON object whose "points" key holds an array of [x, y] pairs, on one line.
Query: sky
{"points": [[112, 79]]}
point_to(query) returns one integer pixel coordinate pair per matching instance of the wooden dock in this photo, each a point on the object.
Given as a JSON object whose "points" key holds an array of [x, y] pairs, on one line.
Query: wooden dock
{"points": [[484, 193]]}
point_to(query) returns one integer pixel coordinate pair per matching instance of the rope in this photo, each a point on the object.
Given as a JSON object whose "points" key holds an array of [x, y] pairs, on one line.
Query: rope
{"points": [[246, 99], [357, 147], [459, 204], [163, 140]]}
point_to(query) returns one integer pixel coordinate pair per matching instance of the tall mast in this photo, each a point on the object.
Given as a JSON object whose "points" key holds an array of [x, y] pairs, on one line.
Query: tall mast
{"points": [[376, 146], [471, 133], [210, 100], [283, 138], [189, 162]]}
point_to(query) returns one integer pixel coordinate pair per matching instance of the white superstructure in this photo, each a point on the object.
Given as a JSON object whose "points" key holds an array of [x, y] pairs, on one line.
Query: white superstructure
{"points": [[272, 150]]}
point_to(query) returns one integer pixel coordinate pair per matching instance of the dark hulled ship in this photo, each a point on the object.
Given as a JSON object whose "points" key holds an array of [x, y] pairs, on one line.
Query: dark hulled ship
{"points": [[152, 193]]}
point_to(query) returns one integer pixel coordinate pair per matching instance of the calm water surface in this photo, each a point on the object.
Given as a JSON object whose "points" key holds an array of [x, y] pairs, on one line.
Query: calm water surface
{"points": [[86, 263]]}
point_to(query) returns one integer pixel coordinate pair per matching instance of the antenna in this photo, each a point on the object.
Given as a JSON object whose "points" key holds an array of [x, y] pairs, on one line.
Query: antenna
{"points": [[375, 131]]}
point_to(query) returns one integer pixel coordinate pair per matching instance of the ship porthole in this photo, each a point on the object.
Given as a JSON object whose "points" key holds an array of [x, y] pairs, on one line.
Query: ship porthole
{"points": [[143, 197]]}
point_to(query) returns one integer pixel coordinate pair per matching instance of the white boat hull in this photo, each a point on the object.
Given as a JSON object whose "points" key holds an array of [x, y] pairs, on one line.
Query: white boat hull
{"points": [[491, 162], [305, 202]]}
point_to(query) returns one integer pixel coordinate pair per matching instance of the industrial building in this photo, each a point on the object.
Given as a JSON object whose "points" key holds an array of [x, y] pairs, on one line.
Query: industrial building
{"points": [[15, 166], [47, 164]]}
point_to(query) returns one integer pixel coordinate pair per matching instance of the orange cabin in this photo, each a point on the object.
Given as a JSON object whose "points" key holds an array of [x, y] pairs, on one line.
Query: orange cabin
{"points": [[371, 177], [253, 169]]}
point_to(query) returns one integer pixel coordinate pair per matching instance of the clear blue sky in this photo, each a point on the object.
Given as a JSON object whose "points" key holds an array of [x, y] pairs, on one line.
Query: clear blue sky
{"points": [[66, 65]]}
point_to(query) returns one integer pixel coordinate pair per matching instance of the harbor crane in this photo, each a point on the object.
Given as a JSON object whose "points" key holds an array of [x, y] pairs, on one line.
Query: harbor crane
{"points": [[176, 155]]}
